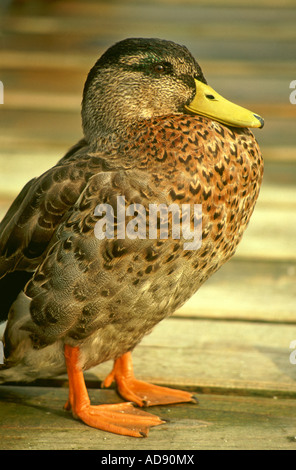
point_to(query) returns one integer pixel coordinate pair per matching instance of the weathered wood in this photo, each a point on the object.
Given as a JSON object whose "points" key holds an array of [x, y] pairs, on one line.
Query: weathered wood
{"points": [[225, 357], [228, 355], [247, 290], [33, 418]]}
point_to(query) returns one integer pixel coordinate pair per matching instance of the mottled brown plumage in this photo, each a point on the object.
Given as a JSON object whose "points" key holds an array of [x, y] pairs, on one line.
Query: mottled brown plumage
{"points": [[103, 296]]}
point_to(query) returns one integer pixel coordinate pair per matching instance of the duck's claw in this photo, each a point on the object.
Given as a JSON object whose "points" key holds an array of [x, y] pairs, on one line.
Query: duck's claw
{"points": [[139, 392], [121, 418]]}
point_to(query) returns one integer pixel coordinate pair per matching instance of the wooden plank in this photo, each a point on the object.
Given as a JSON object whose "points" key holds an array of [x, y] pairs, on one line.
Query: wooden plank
{"points": [[244, 357], [270, 235], [24, 127], [237, 22], [60, 80], [32, 418], [44, 101], [243, 290], [211, 356], [112, 23], [35, 32], [14, 59], [279, 154]]}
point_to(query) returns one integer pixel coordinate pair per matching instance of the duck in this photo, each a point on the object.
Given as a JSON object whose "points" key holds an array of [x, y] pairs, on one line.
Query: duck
{"points": [[83, 279]]}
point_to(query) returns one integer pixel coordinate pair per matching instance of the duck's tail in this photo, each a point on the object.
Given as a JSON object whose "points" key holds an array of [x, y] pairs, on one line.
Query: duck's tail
{"points": [[19, 361]]}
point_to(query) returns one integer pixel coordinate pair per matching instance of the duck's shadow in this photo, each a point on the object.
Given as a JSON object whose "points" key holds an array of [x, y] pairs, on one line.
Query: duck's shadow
{"points": [[34, 397], [50, 400]]}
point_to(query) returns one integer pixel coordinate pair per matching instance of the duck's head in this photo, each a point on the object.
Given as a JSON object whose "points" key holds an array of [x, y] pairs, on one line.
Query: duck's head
{"points": [[140, 78]]}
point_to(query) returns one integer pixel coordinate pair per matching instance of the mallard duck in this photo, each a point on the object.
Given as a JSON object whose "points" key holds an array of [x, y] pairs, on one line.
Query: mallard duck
{"points": [[78, 293]]}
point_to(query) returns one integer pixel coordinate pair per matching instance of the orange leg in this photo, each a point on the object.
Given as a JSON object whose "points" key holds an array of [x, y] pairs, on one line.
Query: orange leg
{"points": [[121, 418], [139, 392]]}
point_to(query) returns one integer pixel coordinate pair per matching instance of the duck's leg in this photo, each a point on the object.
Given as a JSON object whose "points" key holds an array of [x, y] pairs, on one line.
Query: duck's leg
{"points": [[121, 418], [139, 392]]}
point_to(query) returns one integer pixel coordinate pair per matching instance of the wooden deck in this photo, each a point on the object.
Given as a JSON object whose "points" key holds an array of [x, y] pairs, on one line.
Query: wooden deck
{"points": [[230, 343]]}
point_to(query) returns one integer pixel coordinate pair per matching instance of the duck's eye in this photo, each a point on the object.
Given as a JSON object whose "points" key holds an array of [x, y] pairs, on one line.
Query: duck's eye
{"points": [[158, 68]]}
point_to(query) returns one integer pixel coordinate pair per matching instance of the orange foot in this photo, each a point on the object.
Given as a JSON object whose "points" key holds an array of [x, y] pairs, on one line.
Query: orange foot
{"points": [[139, 392], [121, 418]]}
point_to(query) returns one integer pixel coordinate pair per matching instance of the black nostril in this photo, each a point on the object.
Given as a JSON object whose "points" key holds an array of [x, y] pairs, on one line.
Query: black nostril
{"points": [[210, 97]]}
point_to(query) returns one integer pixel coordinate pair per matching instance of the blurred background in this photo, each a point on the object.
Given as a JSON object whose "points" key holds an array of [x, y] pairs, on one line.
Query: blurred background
{"points": [[247, 50]]}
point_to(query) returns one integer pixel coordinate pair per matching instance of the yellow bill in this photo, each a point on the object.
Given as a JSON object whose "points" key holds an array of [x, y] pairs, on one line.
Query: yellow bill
{"points": [[207, 102]]}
